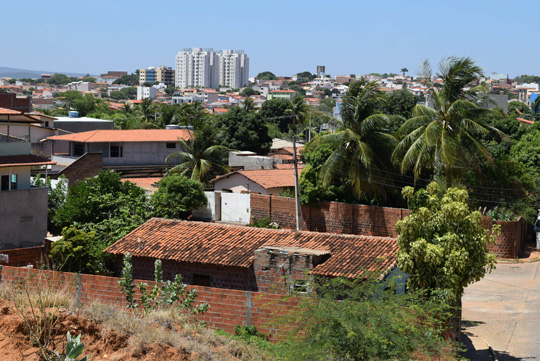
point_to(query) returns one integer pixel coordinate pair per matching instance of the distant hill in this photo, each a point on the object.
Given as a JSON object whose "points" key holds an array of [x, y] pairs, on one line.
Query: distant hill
{"points": [[24, 73]]}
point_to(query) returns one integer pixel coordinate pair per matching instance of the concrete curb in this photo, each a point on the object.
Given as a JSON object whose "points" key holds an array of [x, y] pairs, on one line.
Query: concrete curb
{"points": [[491, 351]]}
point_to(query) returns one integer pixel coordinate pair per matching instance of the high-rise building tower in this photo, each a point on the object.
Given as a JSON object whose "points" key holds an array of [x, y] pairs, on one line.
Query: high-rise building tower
{"points": [[233, 68], [197, 67], [206, 68]]}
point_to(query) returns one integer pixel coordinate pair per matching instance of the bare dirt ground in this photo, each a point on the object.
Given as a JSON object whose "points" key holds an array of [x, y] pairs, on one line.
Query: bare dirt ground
{"points": [[100, 342]]}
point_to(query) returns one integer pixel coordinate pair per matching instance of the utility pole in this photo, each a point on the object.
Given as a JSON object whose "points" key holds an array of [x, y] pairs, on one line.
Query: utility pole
{"points": [[297, 189], [309, 132]]}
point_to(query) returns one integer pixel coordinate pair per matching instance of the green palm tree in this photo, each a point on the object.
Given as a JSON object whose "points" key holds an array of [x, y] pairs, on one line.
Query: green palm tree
{"points": [[200, 157], [442, 137], [363, 142]]}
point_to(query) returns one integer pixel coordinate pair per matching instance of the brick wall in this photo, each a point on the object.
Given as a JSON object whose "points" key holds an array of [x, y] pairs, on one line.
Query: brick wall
{"points": [[228, 308], [87, 166], [237, 278], [335, 217], [511, 239], [331, 217], [35, 256], [11, 101]]}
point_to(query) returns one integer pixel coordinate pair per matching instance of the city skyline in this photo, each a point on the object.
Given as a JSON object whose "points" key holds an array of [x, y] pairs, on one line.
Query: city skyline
{"points": [[358, 37]]}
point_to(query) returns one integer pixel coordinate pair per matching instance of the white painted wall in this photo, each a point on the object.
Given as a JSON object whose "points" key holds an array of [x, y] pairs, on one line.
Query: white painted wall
{"points": [[235, 207], [212, 211], [237, 183]]}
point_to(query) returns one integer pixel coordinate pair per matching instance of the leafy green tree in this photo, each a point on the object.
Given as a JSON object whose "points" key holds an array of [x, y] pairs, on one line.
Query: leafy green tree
{"points": [[404, 70], [85, 105], [518, 109], [124, 94], [248, 91], [311, 189], [400, 102], [131, 80], [355, 320], [60, 79], [442, 245], [527, 79], [266, 75], [170, 89], [275, 111], [444, 138], [305, 76], [363, 145], [201, 157], [177, 195], [327, 105], [79, 251], [104, 205], [244, 130]]}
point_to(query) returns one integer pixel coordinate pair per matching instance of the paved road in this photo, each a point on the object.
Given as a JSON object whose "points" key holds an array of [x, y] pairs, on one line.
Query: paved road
{"points": [[504, 309]]}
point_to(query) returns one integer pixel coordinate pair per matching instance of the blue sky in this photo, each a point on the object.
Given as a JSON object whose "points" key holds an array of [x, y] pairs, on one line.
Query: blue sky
{"points": [[285, 37]]}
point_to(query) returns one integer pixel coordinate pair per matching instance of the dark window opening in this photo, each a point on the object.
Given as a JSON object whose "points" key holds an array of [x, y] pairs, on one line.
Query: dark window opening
{"points": [[201, 280], [300, 286], [78, 149], [5, 183], [116, 151], [171, 145]]}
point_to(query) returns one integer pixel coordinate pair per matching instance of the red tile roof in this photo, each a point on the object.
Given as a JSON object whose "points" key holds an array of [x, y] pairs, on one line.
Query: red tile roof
{"points": [[234, 246], [266, 178], [145, 183], [130, 135], [23, 160], [6, 111]]}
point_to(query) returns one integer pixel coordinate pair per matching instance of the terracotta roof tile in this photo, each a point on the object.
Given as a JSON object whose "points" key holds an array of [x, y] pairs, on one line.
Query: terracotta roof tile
{"points": [[23, 160], [130, 135], [234, 246], [266, 178], [6, 111]]}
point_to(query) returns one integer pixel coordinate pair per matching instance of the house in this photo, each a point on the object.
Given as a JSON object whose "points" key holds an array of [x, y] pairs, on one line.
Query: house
{"points": [[23, 208], [282, 94], [121, 148], [262, 181], [249, 258]]}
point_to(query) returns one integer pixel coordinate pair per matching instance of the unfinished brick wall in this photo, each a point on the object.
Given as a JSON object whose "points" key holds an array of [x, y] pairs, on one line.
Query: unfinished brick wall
{"points": [[237, 278], [511, 239], [343, 218], [281, 270], [331, 217], [35, 256], [228, 308]]}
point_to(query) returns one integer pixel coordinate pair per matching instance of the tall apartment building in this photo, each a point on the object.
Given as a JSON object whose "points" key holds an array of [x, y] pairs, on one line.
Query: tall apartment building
{"points": [[161, 74], [206, 68], [233, 68], [196, 68]]}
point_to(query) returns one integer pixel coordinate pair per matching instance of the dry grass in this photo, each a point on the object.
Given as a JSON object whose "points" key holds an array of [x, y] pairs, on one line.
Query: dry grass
{"points": [[169, 327], [160, 327]]}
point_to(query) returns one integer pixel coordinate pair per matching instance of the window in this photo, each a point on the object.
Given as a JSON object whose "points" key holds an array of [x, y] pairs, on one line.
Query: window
{"points": [[116, 151], [13, 182], [78, 149], [171, 145], [201, 280]]}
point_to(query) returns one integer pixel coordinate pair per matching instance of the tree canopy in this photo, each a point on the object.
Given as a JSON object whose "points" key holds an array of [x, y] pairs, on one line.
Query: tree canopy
{"points": [[177, 195], [442, 245], [266, 75], [242, 129]]}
